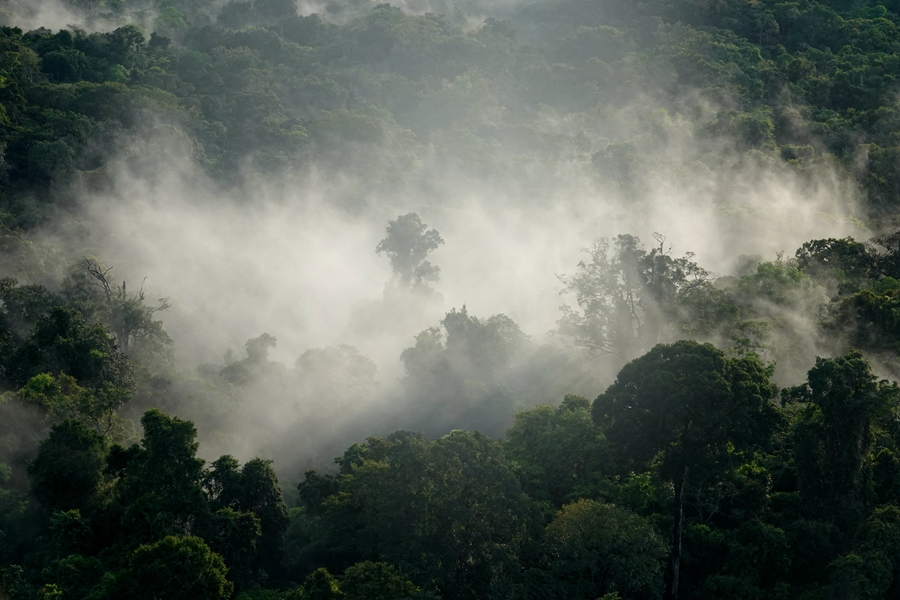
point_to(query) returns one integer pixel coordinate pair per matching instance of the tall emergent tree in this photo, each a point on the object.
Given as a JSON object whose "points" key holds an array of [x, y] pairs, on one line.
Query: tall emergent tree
{"points": [[628, 296], [126, 314], [844, 404], [408, 243], [690, 408]]}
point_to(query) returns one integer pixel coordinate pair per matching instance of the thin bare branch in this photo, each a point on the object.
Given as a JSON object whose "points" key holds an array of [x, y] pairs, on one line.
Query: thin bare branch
{"points": [[100, 276]]}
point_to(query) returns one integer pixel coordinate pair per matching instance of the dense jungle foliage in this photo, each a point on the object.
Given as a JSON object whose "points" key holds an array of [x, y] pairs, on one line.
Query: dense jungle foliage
{"points": [[257, 88], [714, 464]]}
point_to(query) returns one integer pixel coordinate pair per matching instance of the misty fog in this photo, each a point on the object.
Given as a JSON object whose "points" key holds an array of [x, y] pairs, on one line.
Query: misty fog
{"points": [[292, 254]]}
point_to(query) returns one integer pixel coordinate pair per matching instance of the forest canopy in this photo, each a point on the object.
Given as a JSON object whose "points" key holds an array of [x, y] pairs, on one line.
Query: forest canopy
{"points": [[276, 280]]}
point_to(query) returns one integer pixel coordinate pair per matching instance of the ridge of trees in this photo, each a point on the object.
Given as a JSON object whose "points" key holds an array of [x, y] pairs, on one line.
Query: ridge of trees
{"points": [[809, 85], [693, 475]]}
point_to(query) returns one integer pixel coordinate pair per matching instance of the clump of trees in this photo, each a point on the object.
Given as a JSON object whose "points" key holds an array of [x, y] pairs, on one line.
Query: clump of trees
{"points": [[382, 94], [150, 520], [692, 475]]}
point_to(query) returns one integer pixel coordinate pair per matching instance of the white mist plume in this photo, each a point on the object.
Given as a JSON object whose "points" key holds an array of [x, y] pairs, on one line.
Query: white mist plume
{"points": [[289, 258], [32, 14], [475, 11], [295, 264]]}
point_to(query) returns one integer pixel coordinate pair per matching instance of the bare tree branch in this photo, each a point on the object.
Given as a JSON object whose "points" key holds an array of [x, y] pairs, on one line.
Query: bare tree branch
{"points": [[100, 276]]}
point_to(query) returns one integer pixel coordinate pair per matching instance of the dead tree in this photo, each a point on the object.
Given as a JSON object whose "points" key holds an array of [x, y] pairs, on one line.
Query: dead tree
{"points": [[126, 316]]}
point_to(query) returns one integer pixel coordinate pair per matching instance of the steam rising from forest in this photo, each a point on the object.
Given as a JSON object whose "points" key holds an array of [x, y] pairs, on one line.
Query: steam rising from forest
{"points": [[294, 256], [297, 264], [46, 13]]}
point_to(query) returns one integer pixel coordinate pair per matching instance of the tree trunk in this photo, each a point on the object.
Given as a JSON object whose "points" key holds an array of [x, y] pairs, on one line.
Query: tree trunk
{"points": [[122, 338], [675, 562]]}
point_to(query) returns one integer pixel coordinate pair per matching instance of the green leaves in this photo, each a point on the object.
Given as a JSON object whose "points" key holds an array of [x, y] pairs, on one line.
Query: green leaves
{"points": [[834, 438], [686, 405], [178, 568], [375, 581], [144, 511], [68, 470], [560, 453], [161, 492], [595, 549], [63, 398], [252, 491], [448, 513], [63, 341], [690, 410]]}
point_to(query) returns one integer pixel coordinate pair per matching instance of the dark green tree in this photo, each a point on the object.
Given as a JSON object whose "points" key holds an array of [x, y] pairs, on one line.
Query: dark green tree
{"points": [[70, 533], [23, 305], [320, 585], [450, 514], [560, 452], [689, 408], [836, 264], [68, 470], [595, 549], [180, 568], [61, 397], [235, 537], [369, 580], [161, 492], [252, 489], [844, 402], [64, 342]]}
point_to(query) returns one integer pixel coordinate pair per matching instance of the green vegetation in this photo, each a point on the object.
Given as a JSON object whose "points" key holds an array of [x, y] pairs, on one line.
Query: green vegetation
{"points": [[741, 441], [810, 84], [692, 474]]}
